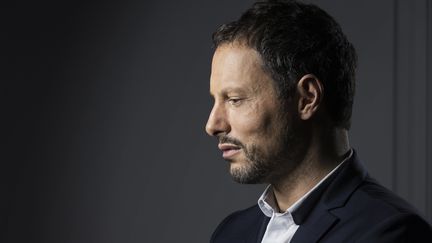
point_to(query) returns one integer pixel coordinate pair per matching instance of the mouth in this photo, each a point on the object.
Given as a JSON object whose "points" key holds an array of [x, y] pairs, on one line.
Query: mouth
{"points": [[229, 150]]}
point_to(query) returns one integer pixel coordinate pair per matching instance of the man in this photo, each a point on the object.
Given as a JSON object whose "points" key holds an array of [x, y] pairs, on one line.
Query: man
{"points": [[282, 80]]}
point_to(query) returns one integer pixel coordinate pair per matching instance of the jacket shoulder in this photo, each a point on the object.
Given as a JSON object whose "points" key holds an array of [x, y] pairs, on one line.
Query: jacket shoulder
{"points": [[374, 213], [402, 227], [384, 202]]}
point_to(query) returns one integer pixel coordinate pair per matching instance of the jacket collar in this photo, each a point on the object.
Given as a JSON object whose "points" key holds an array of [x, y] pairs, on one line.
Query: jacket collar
{"points": [[315, 216]]}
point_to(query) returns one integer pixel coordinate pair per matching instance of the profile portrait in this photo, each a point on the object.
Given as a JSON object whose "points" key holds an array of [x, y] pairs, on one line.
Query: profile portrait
{"points": [[216, 121]]}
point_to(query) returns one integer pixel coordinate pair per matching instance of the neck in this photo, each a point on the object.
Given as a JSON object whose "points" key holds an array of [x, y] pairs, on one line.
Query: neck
{"points": [[324, 154]]}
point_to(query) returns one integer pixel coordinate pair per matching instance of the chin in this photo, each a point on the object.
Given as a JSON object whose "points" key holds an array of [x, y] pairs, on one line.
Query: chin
{"points": [[236, 167], [245, 174]]}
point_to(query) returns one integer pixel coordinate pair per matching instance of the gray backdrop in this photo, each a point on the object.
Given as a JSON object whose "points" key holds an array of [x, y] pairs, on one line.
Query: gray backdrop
{"points": [[104, 106]]}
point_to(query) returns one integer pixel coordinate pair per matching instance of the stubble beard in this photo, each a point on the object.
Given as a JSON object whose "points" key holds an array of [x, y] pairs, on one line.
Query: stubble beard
{"points": [[260, 167], [254, 171]]}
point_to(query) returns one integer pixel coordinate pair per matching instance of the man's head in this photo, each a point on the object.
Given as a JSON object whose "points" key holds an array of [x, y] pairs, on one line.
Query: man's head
{"points": [[280, 66]]}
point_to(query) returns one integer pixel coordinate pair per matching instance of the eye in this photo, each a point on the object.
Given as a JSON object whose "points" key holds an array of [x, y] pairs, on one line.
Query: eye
{"points": [[234, 101]]}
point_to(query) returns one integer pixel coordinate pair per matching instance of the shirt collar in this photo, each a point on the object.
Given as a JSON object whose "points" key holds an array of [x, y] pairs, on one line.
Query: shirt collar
{"points": [[299, 209]]}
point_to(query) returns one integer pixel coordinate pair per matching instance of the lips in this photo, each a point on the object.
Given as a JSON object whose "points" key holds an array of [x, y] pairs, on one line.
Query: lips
{"points": [[228, 150]]}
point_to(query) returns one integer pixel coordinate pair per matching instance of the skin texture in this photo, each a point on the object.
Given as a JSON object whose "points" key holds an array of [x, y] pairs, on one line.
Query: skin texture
{"points": [[291, 144], [246, 114]]}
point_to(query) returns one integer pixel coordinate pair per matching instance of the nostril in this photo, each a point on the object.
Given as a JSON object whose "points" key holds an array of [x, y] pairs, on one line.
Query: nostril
{"points": [[213, 129]]}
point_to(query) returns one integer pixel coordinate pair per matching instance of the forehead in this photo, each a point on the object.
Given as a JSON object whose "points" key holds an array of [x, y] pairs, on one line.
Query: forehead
{"points": [[237, 66], [235, 57]]}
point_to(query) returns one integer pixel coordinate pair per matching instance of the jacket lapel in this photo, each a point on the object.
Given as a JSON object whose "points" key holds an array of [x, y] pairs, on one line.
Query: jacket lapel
{"points": [[315, 216], [314, 230], [258, 237]]}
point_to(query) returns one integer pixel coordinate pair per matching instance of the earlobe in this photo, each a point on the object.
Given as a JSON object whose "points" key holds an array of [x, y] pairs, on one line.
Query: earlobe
{"points": [[311, 93]]}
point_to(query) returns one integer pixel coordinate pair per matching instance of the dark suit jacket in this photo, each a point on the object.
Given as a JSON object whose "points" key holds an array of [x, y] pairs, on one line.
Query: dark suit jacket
{"points": [[349, 206]]}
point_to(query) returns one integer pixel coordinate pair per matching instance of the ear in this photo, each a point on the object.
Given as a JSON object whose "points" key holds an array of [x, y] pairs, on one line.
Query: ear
{"points": [[311, 93]]}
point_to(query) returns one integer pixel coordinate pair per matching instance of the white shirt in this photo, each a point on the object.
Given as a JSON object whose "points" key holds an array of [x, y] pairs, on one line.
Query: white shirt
{"points": [[281, 227]]}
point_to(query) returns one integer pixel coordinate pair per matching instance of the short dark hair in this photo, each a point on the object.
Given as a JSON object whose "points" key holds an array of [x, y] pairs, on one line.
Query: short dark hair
{"points": [[295, 39]]}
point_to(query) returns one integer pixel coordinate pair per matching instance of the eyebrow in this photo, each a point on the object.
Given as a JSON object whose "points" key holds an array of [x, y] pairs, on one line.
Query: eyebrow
{"points": [[231, 90]]}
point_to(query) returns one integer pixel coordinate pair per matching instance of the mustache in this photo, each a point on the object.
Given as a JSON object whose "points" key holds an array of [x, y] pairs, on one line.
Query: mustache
{"points": [[227, 139]]}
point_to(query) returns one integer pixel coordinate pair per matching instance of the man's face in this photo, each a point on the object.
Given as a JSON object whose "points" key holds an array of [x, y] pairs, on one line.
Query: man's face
{"points": [[256, 133]]}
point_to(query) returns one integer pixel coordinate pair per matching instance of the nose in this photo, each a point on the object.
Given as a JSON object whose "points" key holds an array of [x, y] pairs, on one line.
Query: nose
{"points": [[217, 121]]}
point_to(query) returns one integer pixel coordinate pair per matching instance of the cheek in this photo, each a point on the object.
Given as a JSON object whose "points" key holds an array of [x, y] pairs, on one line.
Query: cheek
{"points": [[253, 123]]}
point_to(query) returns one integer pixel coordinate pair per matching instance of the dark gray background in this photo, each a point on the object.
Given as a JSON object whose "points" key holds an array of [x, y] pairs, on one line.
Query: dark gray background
{"points": [[104, 106]]}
